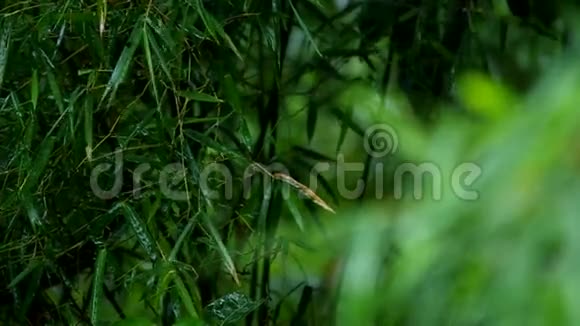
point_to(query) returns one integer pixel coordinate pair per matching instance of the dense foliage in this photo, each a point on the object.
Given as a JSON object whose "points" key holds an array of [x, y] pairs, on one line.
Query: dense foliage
{"points": [[300, 162]]}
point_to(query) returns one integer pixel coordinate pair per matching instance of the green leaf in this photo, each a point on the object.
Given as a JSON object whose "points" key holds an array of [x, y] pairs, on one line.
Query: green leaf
{"points": [[305, 29], [147, 50], [32, 289], [182, 236], [55, 89], [39, 164], [140, 229], [98, 283], [33, 265], [88, 126], [200, 97], [232, 94], [213, 27], [210, 143], [231, 308], [123, 63], [155, 46], [227, 259], [5, 38], [186, 299], [34, 90], [295, 212]]}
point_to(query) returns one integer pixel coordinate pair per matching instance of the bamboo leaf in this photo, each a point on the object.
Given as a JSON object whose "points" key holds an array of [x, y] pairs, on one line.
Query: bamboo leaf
{"points": [[98, 283], [182, 236], [5, 38], [34, 90], [147, 49], [88, 126], [232, 93], [200, 97], [33, 265], [123, 63], [295, 212], [186, 299], [140, 229], [228, 261], [55, 89], [305, 29]]}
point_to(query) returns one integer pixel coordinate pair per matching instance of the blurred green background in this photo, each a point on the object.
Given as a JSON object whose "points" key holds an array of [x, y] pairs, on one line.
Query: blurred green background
{"points": [[301, 162]]}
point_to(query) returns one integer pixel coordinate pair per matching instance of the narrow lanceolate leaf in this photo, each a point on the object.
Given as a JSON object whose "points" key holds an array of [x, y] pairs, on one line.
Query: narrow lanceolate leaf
{"points": [[5, 36], [38, 165], [211, 143], [147, 50], [346, 119], [203, 14], [165, 274], [228, 261], [214, 28], [186, 298], [88, 126], [34, 89], [24, 274], [305, 29], [226, 37], [231, 308], [32, 290], [232, 94], [102, 9], [200, 97], [244, 132], [55, 89], [70, 110], [29, 134], [304, 190], [157, 50], [124, 63], [140, 229], [184, 234], [98, 281], [31, 209], [295, 212], [17, 107]]}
